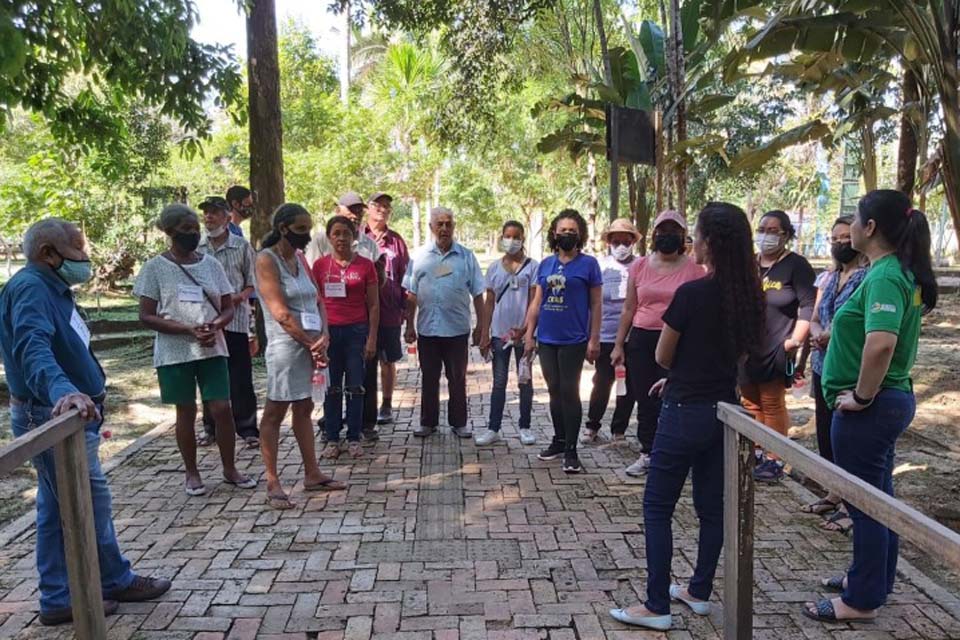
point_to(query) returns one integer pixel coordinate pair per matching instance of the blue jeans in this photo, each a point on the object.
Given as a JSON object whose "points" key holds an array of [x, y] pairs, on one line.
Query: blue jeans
{"points": [[498, 396], [346, 362], [864, 443], [115, 573], [689, 436]]}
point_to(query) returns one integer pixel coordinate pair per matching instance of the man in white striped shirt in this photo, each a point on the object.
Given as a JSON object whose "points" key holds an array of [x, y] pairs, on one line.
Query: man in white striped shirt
{"points": [[237, 258]]}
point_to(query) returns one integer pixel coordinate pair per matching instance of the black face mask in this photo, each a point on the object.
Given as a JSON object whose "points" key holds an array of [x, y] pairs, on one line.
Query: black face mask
{"points": [[843, 252], [668, 243], [568, 241], [297, 240], [186, 242]]}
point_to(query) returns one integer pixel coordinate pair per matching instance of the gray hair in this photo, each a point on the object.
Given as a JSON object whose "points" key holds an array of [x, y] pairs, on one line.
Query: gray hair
{"points": [[436, 212], [48, 231], [173, 214]]}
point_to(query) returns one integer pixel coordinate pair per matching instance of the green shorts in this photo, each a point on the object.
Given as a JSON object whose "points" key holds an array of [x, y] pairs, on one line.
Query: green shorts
{"points": [[178, 382]]}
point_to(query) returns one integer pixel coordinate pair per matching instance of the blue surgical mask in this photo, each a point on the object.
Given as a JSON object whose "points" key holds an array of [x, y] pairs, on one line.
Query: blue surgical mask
{"points": [[74, 271]]}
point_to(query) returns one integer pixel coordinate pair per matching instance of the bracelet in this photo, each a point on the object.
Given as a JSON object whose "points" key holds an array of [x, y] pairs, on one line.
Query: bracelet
{"points": [[863, 402]]}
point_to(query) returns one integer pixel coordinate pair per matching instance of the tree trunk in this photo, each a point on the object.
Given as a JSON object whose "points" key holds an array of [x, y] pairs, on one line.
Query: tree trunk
{"points": [[593, 205], [415, 214], [608, 79], [266, 136], [679, 67], [908, 148], [950, 103], [345, 55], [868, 157]]}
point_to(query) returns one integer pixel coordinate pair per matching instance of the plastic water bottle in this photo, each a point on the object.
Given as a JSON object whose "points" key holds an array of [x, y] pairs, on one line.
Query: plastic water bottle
{"points": [[800, 388], [412, 349], [524, 374], [620, 375], [320, 384]]}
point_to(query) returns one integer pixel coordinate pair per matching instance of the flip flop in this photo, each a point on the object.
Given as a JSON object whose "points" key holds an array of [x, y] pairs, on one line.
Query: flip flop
{"points": [[826, 613], [325, 485], [195, 491], [246, 483], [280, 502], [833, 584], [835, 522], [205, 440], [820, 507], [252, 443]]}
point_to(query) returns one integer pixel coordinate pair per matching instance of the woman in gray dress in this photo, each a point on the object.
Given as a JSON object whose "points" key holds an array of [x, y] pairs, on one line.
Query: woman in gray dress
{"points": [[297, 339]]}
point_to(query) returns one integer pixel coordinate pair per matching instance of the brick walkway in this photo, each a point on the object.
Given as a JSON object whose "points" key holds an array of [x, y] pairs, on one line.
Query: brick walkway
{"points": [[440, 540]]}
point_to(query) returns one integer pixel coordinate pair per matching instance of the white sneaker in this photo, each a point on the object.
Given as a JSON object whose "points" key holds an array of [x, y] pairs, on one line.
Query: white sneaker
{"points": [[527, 436], [588, 436], [639, 467], [487, 437]]}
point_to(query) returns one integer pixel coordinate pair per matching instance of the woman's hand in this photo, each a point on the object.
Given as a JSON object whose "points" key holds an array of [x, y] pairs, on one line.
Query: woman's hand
{"points": [[205, 335], [529, 347], [656, 391], [593, 351], [370, 349], [616, 356], [845, 402], [410, 335], [822, 339]]}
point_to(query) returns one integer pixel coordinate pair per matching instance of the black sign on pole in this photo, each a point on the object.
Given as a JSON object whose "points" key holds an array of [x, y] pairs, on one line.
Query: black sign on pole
{"points": [[631, 135]]}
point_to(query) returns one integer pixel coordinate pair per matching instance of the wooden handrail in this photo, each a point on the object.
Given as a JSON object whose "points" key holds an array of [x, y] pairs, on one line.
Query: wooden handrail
{"points": [[741, 432], [66, 435]]}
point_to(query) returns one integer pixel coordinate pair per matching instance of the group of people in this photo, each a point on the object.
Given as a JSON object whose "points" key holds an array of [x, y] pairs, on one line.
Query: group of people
{"points": [[695, 321]]}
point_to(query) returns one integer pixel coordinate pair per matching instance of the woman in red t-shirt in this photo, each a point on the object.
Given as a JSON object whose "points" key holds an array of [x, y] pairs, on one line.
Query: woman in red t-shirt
{"points": [[350, 291]]}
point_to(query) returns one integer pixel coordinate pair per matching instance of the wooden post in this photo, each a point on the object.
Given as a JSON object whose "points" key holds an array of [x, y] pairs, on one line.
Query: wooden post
{"points": [[79, 536], [738, 462]]}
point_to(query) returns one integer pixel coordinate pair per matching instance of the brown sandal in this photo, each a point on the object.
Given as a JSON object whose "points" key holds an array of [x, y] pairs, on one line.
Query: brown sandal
{"points": [[280, 502], [325, 485]]}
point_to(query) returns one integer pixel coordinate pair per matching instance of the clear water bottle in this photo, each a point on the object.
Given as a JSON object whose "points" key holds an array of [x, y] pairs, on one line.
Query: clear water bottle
{"points": [[620, 375], [800, 388], [320, 384], [524, 374]]}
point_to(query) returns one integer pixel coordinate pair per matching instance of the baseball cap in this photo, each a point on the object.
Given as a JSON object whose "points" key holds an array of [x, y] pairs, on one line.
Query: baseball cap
{"points": [[214, 202], [670, 216], [350, 199], [380, 194]]}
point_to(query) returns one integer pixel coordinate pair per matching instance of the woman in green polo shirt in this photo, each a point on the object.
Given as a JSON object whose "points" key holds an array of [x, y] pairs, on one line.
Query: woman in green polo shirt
{"points": [[866, 378]]}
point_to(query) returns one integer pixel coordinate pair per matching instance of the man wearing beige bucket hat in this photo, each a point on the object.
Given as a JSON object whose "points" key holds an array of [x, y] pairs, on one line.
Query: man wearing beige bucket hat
{"points": [[620, 238]]}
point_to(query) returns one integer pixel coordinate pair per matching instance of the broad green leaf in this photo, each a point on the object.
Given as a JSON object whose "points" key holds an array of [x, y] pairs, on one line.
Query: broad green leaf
{"points": [[690, 23], [709, 103], [753, 159], [652, 39], [639, 98]]}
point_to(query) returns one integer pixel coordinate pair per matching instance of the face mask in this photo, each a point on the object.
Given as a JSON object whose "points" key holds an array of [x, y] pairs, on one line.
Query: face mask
{"points": [[297, 240], [621, 252], [511, 246], [186, 242], [768, 243], [568, 241], [216, 233], [843, 252], [668, 243], [74, 271]]}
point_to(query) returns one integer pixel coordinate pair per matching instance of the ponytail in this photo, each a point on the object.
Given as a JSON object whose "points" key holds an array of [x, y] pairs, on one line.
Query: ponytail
{"points": [[285, 214], [905, 229]]}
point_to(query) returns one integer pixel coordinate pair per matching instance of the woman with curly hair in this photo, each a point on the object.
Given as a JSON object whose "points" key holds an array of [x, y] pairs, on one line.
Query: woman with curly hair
{"points": [[567, 307], [702, 370]]}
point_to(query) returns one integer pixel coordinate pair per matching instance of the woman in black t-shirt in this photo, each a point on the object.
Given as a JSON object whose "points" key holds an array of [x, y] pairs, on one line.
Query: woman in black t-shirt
{"points": [[702, 372], [788, 284]]}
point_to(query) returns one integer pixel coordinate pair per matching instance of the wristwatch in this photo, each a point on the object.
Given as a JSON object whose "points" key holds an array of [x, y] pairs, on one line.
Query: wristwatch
{"points": [[863, 402]]}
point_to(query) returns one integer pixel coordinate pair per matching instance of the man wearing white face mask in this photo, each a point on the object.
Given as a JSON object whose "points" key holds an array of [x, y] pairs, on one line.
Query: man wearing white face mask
{"points": [[509, 292], [238, 260], [620, 237]]}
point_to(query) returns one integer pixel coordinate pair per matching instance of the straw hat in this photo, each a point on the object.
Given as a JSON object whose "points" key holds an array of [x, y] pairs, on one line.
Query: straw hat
{"points": [[621, 225]]}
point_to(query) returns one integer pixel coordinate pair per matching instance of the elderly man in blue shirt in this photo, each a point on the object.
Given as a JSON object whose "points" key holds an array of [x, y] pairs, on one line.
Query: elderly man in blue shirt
{"points": [[50, 370], [441, 280]]}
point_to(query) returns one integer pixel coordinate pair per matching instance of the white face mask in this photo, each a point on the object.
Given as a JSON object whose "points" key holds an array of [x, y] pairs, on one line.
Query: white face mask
{"points": [[511, 246], [768, 243], [621, 252], [216, 233]]}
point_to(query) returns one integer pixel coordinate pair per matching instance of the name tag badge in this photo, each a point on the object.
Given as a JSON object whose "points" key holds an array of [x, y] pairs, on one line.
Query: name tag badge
{"points": [[442, 270], [514, 283], [78, 325], [189, 293], [335, 289], [311, 322], [622, 290]]}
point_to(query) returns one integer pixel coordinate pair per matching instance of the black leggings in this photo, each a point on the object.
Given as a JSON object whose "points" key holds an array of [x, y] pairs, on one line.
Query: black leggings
{"points": [[824, 420], [642, 372], [561, 366]]}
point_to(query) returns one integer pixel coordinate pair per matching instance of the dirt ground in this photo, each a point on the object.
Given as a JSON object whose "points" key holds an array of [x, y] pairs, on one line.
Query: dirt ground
{"points": [[928, 461]]}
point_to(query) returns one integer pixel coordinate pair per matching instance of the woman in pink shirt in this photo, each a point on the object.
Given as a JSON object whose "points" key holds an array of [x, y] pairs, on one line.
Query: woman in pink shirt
{"points": [[653, 279]]}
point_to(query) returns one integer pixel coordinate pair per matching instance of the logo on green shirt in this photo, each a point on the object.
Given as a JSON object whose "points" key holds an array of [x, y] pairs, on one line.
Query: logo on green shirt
{"points": [[879, 306]]}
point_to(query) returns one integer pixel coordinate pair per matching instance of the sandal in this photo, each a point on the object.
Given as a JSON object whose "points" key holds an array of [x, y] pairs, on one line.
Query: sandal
{"points": [[824, 612], [245, 482], [588, 436], [193, 492], [252, 442], [206, 439], [820, 507], [325, 485], [839, 522], [833, 584], [331, 451], [280, 501], [355, 450]]}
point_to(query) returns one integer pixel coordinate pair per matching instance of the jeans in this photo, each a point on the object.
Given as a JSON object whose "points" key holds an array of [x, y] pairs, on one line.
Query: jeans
{"points": [[689, 437], [561, 366], [864, 444], [603, 379], [450, 356], [115, 573], [243, 397], [501, 373], [346, 369], [642, 372], [824, 417]]}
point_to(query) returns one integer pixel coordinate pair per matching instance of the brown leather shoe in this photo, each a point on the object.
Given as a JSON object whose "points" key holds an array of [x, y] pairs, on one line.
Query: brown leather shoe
{"points": [[142, 588], [62, 616]]}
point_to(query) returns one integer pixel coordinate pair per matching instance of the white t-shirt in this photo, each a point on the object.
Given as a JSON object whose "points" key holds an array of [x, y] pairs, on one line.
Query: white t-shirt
{"points": [[179, 299], [364, 246], [511, 310]]}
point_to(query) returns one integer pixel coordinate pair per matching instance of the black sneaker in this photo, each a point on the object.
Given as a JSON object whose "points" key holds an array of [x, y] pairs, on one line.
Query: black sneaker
{"points": [[571, 463], [62, 616], [141, 589], [385, 416], [554, 451], [370, 434]]}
